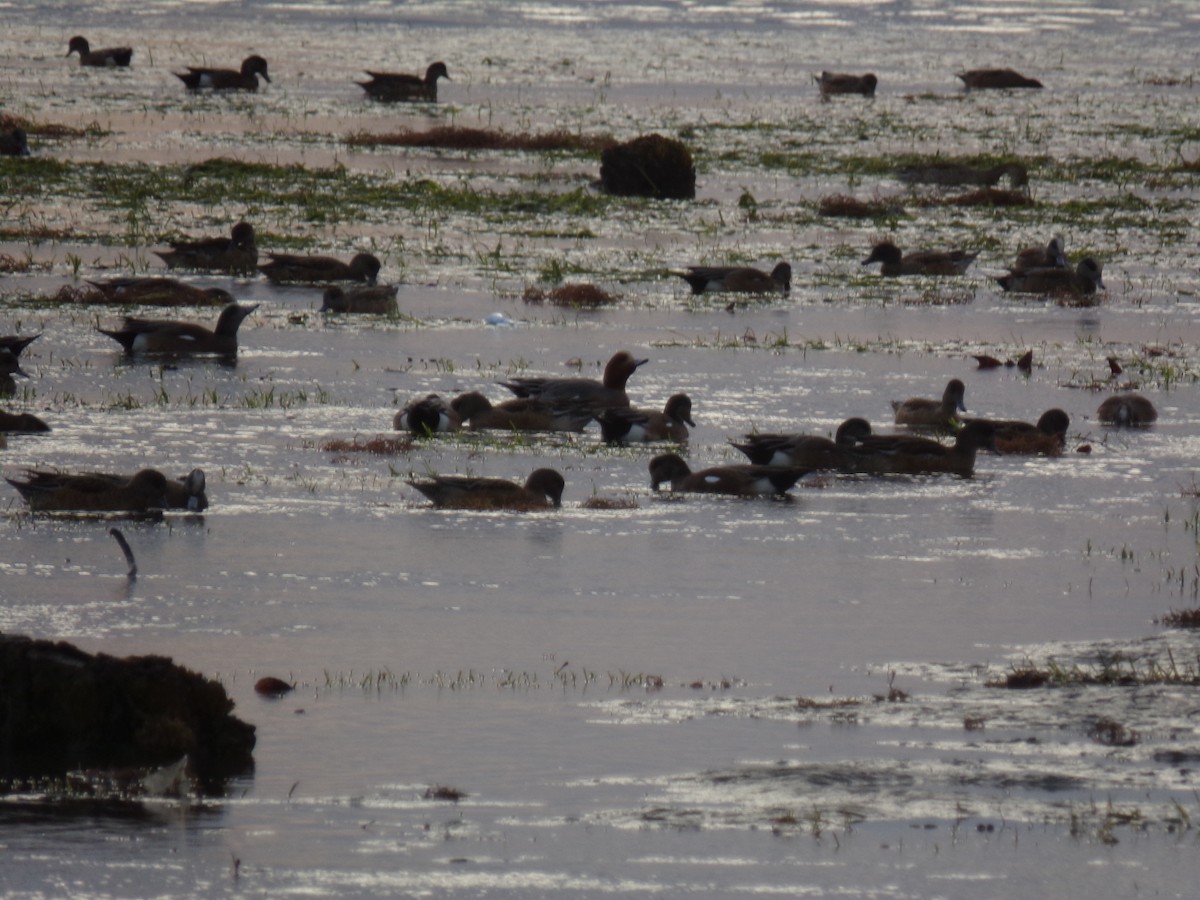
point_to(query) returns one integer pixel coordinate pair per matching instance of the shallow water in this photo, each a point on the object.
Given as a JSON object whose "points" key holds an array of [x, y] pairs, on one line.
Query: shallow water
{"points": [[516, 657]]}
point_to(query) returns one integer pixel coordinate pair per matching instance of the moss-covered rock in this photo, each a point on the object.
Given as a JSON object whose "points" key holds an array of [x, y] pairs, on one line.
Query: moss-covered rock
{"points": [[63, 709], [649, 166]]}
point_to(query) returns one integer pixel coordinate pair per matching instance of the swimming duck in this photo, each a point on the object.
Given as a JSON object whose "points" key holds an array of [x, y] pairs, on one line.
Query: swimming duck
{"points": [[831, 83], [520, 414], [15, 422], [374, 299], [109, 57], [158, 292], [1050, 256], [1127, 409], [995, 79], [902, 454], [1048, 436], [1082, 281], [922, 262], [583, 393], [237, 253], [427, 415], [9, 366], [804, 451], [16, 344], [744, 481], [169, 337], [932, 413], [60, 492], [624, 425], [245, 79], [401, 86], [287, 268], [951, 173], [738, 279], [542, 490], [14, 142]]}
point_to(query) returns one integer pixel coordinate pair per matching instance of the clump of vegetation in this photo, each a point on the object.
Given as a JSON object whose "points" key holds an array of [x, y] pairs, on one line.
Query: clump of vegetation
{"points": [[573, 295], [1112, 733], [1117, 670], [1181, 618], [609, 503], [983, 197], [454, 137], [379, 445], [846, 207], [444, 792], [649, 166]]}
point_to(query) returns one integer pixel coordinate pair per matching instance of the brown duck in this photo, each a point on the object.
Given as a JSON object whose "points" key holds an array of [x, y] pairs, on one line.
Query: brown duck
{"points": [[902, 454], [237, 253], [833, 83], [60, 492], [623, 425], [373, 299], [520, 414], [393, 87], [156, 292], [108, 57], [738, 279], [954, 174], [1082, 281], [922, 262], [995, 79], [244, 79], [1047, 437], [286, 268], [742, 481], [542, 490], [1127, 409], [805, 451], [932, 413], [160, 336], [583, 393]]}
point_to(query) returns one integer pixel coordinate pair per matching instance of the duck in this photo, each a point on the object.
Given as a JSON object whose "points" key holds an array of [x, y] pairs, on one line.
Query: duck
{"points": [[1082, 281], [237, 253], [583, 393], [17, 422], [932, 413], [1051, 256], [922, 262], [952, 173], [401, 86], [520, 414], [245, 79], [995, 79], [376, 299], [109, 57], [157, 292], [287, 268], [624, 425], [738, 279], [804, 451], [902, 454], [1127, 409], [9, 366], [427, 415], [152, 336], [831, 83], [187, 492], [14, 142], [91, 492], [1048, 436], [543, 489], [739, 480], [16, 344]]}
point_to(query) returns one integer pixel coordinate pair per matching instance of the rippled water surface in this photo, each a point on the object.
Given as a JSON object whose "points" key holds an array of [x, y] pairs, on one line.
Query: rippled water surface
{"points": [[697, 695]]}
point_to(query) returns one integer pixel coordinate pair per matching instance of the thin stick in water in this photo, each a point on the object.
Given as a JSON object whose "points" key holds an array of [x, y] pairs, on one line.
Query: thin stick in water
{"points": [[125, 548]]}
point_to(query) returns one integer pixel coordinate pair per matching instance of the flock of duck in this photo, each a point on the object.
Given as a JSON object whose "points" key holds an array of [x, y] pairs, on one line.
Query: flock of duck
{"points": [[776, 461]]}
